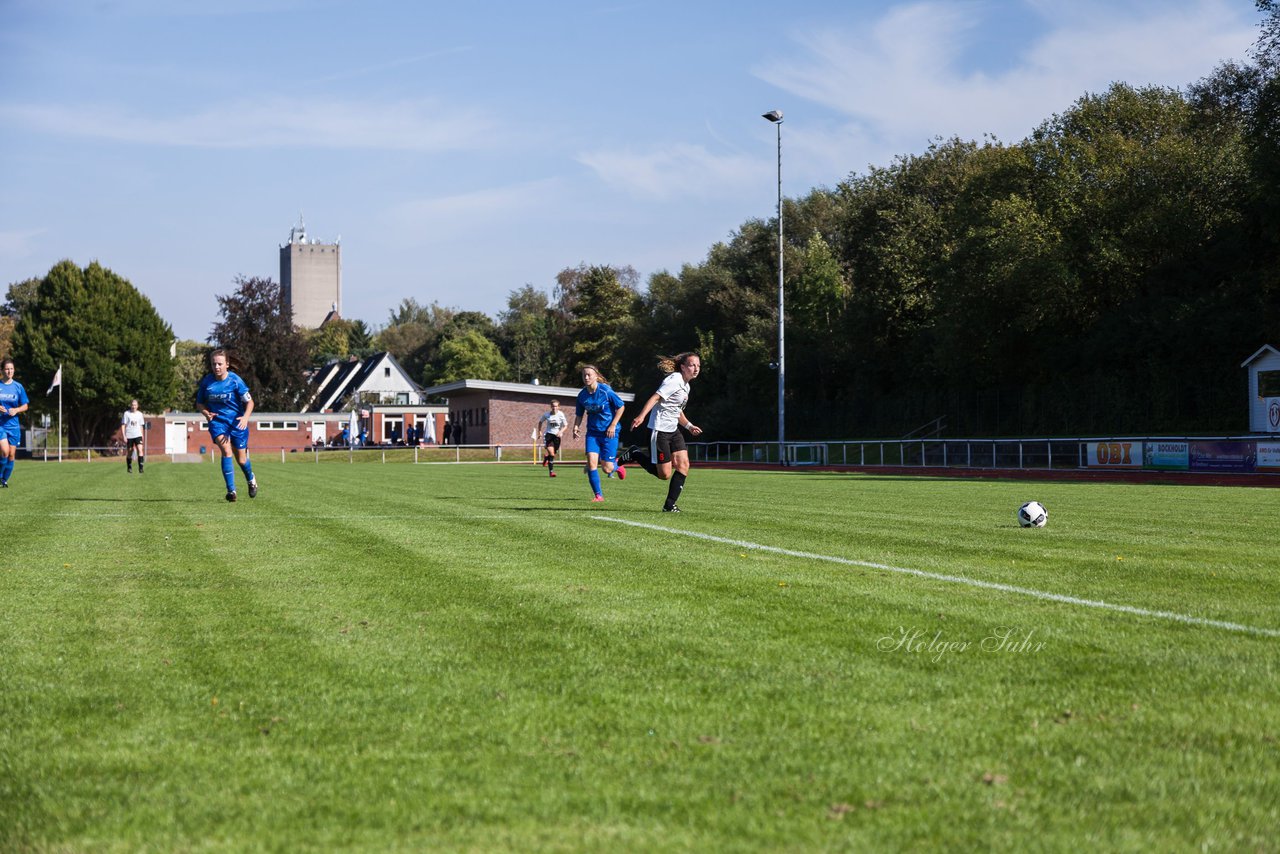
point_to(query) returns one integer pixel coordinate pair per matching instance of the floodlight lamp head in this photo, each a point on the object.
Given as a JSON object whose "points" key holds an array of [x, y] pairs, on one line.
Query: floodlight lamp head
{"points": [[774, 116]]}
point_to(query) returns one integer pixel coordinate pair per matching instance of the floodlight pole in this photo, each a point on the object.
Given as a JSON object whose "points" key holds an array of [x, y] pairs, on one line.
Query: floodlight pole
{"points": [[775, 116]]}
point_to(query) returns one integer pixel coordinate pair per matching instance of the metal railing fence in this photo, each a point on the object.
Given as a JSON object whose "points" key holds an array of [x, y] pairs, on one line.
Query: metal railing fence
{"points": [[983, 453]]}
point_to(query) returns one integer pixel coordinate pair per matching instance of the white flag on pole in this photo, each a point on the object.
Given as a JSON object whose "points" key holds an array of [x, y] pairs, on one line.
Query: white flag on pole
{"points": [[57, 381]]}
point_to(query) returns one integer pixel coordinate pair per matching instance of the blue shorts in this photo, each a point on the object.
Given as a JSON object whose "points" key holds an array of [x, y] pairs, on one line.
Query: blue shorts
{"points": [[239, 438], [603, 446], [12, 432]]}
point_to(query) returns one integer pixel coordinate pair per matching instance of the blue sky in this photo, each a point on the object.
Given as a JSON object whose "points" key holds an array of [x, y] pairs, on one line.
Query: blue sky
{"points": [[463, 150]]}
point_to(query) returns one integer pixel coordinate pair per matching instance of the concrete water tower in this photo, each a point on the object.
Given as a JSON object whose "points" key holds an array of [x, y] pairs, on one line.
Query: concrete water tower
{"points": [[310, 277]]}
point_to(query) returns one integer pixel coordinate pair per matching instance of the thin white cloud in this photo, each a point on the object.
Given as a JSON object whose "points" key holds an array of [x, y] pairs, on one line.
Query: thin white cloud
{"points": [[672, 172], [903, 82], [171, 8], [389, 64], [271, 123], [446, 217], [16, 245]]}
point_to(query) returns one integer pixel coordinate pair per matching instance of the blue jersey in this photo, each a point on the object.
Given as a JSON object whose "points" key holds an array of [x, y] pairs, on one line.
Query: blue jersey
{"points": [[600, 408], [226, 399], [12, 394]]}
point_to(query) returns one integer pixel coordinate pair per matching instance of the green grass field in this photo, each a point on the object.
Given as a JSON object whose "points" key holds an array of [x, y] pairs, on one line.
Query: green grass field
{"points": [[401, 658]]}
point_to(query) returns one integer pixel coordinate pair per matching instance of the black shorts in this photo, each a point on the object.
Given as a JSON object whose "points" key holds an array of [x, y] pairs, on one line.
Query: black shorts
{"points": [[134, 443], [663, 446], [552, 441]]}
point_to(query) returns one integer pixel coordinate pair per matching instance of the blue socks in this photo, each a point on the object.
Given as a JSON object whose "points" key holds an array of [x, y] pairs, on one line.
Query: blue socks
{"points": [[6, 469], [593, 476], [229, 472]]}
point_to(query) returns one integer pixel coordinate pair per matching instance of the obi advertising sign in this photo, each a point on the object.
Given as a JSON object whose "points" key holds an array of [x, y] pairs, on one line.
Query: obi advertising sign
{"points": [[1223, 456], [1114, 454], [1169, 456]]}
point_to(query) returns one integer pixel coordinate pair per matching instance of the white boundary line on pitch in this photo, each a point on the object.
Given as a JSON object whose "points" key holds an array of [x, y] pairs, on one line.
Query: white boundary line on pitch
{"points": [[256, 518], [959, 579]]}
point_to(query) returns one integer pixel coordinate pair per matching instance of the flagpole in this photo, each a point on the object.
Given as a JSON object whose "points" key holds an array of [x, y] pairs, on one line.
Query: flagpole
{"points": [[59, 414]]}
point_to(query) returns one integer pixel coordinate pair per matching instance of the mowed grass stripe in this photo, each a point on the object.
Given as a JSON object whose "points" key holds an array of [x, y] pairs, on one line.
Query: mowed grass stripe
{"points": [[494, 671], [1211, 560], [953, 579]]}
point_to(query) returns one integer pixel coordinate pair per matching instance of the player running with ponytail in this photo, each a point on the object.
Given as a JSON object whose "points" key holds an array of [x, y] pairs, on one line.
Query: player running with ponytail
{"points": [[226, 404], [603, 408], [667, 458]]}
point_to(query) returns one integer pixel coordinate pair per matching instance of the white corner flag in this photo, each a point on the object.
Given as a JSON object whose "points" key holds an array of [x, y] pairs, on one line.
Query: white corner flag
{"points": [[57, 381]]}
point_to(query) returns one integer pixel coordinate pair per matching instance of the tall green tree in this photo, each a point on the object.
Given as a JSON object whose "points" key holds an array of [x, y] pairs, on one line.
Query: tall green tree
{"points": [[108, 339], [524, 336], [359, 339], [6, 334], [411, 311], [190, 363], [467, 355], [263, 346], [602, 312], [565, 315], [413, 334], [331, 341], [18, 296]]}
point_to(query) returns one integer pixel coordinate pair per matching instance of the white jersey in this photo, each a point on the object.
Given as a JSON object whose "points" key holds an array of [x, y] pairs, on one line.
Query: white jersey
{"points": [[556, 422], [673, 394], [132, 423]]}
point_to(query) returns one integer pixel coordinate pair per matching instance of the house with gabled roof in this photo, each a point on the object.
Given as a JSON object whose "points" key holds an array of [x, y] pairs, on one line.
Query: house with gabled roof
{"points": [[387, 399], [339, 385]]}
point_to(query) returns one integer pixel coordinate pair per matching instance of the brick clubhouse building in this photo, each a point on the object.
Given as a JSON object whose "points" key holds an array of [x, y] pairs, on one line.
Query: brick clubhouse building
{"points": [[497, 413]]}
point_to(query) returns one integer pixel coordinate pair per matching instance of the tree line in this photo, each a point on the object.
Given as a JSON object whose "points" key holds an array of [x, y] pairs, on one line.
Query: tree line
{"points": [[1105, 275]]}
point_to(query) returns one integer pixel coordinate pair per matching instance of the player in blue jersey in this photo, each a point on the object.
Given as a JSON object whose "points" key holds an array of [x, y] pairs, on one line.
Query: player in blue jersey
{"points": [[225, 402], [603, 409], [13, 400]]}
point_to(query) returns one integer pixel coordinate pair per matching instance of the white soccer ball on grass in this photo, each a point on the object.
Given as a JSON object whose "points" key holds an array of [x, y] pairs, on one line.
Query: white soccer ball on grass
{"points": [[1033, 515]]}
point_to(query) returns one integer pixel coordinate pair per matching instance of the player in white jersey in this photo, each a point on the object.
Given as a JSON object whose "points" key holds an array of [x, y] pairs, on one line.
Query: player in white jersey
{"points": [[132, 423], [667, 457], [556, 422]]}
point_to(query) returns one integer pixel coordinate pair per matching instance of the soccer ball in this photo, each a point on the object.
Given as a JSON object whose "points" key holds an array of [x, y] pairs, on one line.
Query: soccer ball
{"points": [[1033, 515]]}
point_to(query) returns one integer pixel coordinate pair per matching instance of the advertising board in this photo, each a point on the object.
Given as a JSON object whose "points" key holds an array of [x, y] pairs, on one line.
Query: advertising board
{"points": [[1222, 456], [1167, 456], [1114, 454]]}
